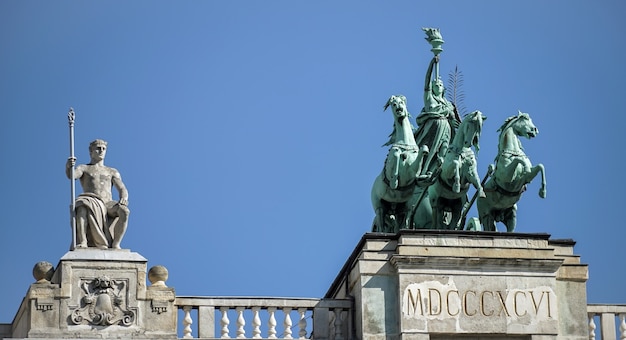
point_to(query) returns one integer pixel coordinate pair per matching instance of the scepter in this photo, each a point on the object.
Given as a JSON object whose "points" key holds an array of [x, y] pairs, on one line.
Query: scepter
{"points": [[70, 118]]}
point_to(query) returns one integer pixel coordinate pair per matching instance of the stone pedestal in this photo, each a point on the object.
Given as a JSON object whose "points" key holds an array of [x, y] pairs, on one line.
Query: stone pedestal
{"points": [[442, 285], [97, 293]]}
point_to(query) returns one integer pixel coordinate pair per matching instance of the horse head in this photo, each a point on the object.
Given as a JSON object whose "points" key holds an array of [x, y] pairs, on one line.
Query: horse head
{"points": [[402, 128], [471, 128], [398, 106], [522, 125]]}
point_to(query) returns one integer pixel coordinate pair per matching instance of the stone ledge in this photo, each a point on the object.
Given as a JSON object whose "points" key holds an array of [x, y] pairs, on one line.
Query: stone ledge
{"points": [[573, 272], [512, 265], [93, 254]]}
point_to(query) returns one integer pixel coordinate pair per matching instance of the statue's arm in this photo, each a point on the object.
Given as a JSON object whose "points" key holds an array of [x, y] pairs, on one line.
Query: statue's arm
{"points": [[78, 171], [427, 81], [121, 188]]}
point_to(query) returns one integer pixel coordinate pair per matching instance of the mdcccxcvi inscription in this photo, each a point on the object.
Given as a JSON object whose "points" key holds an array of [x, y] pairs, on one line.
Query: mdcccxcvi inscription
{"points": [[436, 300]]}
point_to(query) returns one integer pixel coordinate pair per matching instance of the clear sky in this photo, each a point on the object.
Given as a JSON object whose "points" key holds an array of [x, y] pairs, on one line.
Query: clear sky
{"points": [[249, 133]]}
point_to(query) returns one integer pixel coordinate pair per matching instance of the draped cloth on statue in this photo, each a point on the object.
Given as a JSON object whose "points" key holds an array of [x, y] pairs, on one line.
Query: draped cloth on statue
{"points": [[433, 131], [98, 233]]}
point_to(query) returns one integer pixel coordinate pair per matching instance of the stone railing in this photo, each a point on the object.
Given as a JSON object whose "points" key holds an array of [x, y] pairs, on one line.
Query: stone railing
{"points": [[607, 314], [265, 317]]}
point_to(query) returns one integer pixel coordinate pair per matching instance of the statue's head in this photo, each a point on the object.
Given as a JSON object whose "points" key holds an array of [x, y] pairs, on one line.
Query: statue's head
{"points": [[97, 149], [96, 143], [437, 86]]}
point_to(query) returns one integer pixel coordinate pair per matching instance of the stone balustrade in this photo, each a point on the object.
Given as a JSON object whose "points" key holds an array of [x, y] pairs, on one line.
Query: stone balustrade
{"points": [[265, 317], [606, 314]]}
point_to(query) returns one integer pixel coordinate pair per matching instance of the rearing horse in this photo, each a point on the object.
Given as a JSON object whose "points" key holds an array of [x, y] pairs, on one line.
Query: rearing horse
{"points": [[403, 165], [449, 192], [513, 170]]}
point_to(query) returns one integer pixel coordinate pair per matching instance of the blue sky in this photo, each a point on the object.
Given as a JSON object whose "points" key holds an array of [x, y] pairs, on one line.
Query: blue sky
{"points": [[249, 133]]}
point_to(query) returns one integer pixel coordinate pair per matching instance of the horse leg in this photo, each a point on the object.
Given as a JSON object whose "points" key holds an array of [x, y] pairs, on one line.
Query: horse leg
{"points": [[485, 215], [437, 210], [402, 216], [456, 215], [488, 221], [378, 223], [510, 218], [533, 173], [420, 205], [456, 176], [529, 173], [472, 177], [392, 167]]}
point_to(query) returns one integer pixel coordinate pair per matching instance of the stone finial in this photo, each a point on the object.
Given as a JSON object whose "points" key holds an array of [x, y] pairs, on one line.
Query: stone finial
{"points": [[157, 276], [42, 271]]}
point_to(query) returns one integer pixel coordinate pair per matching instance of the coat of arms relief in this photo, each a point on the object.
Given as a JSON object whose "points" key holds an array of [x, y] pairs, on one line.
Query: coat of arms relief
{"points": [[104, 303]]}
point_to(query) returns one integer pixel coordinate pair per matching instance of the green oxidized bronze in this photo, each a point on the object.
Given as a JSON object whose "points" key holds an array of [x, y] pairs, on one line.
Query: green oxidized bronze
{"points": [[395, 184], [428, 170], [513, 170], [448, 195]]}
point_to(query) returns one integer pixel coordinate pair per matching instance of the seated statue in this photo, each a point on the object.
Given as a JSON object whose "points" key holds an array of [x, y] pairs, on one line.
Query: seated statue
{"points": [[100, 221]]}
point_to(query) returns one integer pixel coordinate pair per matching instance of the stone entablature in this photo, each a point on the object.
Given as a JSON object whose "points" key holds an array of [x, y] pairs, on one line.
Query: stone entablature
{"points": [[423, 284]]}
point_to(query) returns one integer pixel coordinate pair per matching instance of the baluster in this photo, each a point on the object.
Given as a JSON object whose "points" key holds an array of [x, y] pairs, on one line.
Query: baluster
{"points": [[287, 323], [338, 324], [241, 333], [331, 324], [302, 323], [622, 326], [592, 327], [224, 322], [187, 321], [271, 323], [256, 323]]}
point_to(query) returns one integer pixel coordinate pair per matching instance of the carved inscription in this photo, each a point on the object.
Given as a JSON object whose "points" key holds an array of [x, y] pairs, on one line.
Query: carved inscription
{"points": [[442, 301]]}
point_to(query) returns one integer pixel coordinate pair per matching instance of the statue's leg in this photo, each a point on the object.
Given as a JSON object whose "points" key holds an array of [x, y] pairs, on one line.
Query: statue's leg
{"points": [[121, 213], [96, 233], [81, 222]]}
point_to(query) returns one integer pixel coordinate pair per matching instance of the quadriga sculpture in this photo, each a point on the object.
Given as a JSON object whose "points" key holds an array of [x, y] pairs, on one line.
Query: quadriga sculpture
{"points": [[513, 170], [403, 165], [448, 195]]}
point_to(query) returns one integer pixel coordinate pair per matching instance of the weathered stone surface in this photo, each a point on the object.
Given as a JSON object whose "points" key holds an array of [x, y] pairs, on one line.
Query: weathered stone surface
{"points": [[466, 283], [101, 294]]}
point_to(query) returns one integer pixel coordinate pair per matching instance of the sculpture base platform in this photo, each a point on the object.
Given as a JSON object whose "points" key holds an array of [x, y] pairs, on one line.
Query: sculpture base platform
{"points": [[97, 294], [468, 285]]}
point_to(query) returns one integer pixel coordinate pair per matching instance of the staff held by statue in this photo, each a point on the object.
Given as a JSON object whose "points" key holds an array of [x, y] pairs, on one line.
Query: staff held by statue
{"points": [[70, 117]]}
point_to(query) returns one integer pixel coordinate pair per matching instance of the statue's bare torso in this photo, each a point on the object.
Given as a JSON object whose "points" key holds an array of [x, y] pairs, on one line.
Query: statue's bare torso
{"points": [[98, 180]]}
